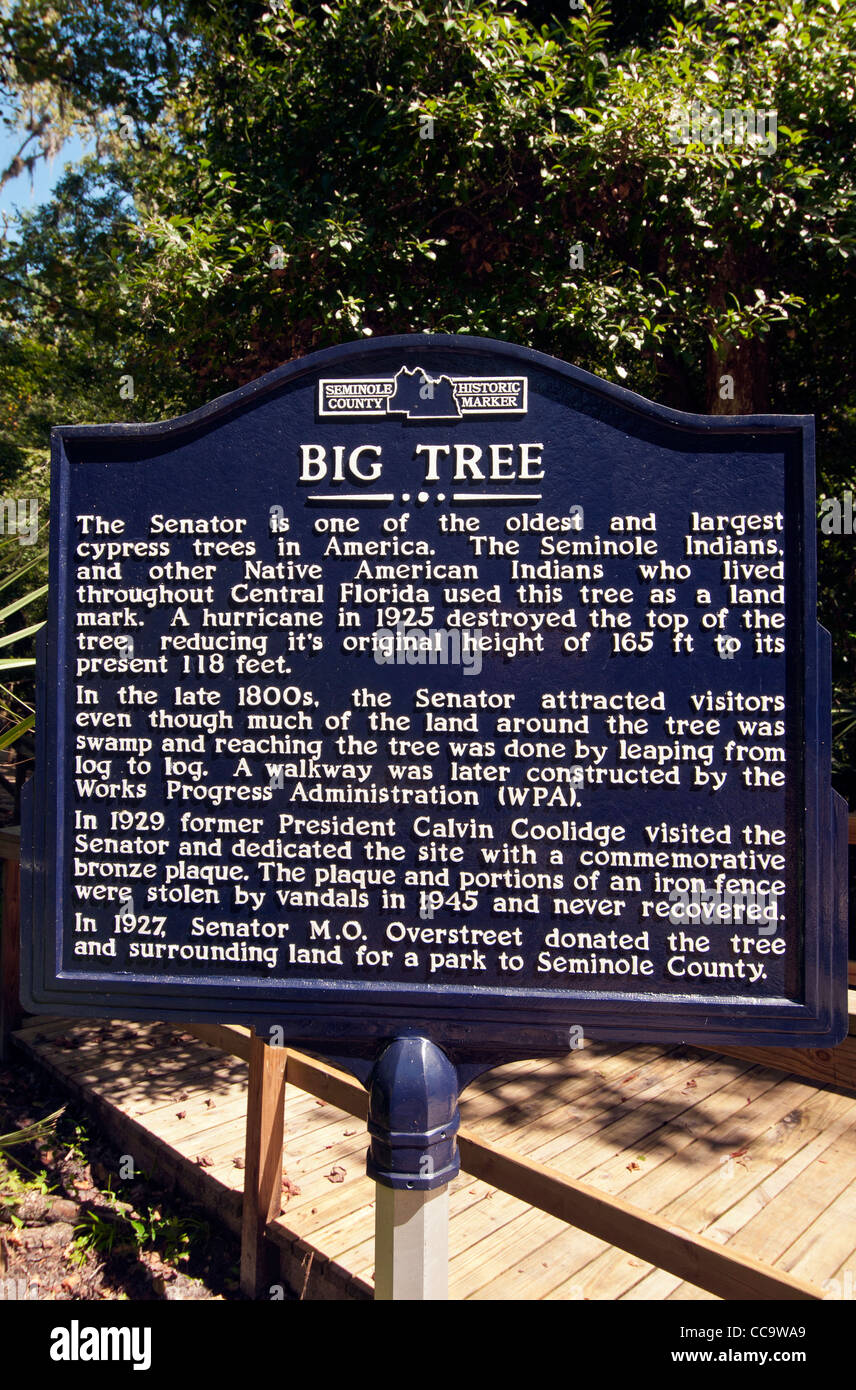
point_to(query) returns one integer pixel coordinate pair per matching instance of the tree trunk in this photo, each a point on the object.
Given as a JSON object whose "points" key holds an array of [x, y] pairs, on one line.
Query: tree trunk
{"points": [[738, 378]]}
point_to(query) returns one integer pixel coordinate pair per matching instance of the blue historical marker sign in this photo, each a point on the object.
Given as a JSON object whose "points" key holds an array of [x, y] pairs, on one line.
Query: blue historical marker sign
{"points": [[430, 685]]}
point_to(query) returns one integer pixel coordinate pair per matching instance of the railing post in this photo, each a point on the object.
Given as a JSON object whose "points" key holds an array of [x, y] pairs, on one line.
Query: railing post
{"points": [[263, 1158], [10, 938]]}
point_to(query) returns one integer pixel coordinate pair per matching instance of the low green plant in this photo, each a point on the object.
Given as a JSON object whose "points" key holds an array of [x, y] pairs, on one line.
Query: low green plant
{"points": [[149, 1228], [31, 1134], [171, 1234], [98, 1234], [76, 1147], [12, 1186]]}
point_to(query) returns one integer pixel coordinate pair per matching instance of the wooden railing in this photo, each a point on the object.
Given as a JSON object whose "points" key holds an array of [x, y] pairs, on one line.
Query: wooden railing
{"points": [[725, 1272], [701, 1261]]}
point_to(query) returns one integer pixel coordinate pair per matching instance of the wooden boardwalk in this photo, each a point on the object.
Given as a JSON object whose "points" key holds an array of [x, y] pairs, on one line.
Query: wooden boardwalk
{"points": [[753, 1158]]}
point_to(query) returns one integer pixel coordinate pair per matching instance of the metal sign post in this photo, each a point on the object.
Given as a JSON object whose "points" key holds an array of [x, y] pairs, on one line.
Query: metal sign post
{"points": [[413, 1121]]}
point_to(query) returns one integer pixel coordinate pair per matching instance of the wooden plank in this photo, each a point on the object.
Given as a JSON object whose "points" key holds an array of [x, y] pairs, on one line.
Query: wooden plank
{"points": [[538, 1256], [567, 1200], [327, 1083], [43, 1026], [312, 1211], [130, 1080], [560, 1096], [319, 1195], [833, 1066], [352, 1228], [227, 1036], [695, 1258], [777, 1191], [721, 1126], [200, 1122], [559, 1262], [611, 1219], [671, 1109], [263, 1157], [703, 1203], [498, 1089], [777, 1228], [149, 1151], [323, 1148]]}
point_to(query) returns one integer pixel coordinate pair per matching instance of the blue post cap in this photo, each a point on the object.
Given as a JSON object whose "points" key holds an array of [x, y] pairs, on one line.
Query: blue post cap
{"points": [[413, 1116]]}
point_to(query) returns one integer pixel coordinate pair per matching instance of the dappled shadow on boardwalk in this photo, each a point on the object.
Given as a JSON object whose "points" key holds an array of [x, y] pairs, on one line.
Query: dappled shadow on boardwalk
{"points": [[609, 1100], [146, 1063], [625, 1098]]}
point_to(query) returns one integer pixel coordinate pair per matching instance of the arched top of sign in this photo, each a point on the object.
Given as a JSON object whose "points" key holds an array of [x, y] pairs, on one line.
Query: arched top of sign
{"points": [[418, 369]]}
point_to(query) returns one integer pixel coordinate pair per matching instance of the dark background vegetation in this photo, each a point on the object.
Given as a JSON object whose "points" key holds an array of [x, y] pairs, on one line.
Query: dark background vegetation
{"points": [[258, 188]]}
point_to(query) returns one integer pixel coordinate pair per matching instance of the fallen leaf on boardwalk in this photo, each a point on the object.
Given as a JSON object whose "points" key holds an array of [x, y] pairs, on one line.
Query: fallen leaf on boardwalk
{"points": [[337, 1174], [349, 1132], [181, 1114], [691, 1084], [320, 1102], [290, 1188], [738, 1153], [238, 1162], [631, 1166], [183, 1096], [204, 1161], [210, 1103]]}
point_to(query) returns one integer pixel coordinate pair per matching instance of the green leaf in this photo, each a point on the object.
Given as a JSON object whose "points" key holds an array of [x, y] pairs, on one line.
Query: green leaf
{"points": [[22, 602], [12, 735], [19, 636]]}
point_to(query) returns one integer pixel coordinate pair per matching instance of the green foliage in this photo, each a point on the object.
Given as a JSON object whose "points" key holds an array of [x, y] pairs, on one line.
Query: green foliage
{"points": [[106, 1231], [12, 1186], [262, 187], [17, 714]]}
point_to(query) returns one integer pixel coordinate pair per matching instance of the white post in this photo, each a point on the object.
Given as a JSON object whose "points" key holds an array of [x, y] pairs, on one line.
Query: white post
{"points": [[411, 1244]]}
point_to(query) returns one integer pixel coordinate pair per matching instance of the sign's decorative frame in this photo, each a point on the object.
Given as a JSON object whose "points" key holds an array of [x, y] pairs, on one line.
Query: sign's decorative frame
{"points": [[351, 1019]]}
